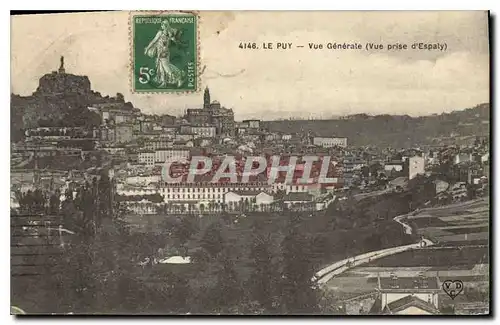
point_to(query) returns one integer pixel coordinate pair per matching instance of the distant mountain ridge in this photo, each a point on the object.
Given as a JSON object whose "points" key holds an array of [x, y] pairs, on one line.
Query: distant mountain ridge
{"points": [[63, 99], [394, 130]]}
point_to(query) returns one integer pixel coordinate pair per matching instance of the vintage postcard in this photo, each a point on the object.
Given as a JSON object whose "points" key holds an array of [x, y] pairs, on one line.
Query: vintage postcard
{"points": [[250, 163]]}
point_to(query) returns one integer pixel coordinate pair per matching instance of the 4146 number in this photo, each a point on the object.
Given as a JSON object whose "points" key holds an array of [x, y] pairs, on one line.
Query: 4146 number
{"points": [[248, 46]]}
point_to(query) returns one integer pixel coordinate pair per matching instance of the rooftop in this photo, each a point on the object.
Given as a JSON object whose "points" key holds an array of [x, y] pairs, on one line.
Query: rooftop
{"points": [[410, 301], [248, 192]]}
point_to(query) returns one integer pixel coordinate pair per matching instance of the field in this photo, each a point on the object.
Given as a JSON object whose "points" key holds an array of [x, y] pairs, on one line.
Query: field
{"points": [[455, 223], [461, 252], [468, 264]]}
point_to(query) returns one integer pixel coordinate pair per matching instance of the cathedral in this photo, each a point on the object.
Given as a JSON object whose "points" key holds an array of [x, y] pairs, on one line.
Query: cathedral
{"points": [[214, 114]]}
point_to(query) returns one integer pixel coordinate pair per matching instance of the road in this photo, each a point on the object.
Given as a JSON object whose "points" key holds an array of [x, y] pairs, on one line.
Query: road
{"points": [[400, 181], [362, 196], [406, 227], [323, 276], [408, 230]]}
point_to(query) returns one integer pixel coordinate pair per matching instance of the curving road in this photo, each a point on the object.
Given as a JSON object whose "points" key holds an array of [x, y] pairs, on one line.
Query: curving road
{"points": [[406, 227], [324, 275], [408, 230]]}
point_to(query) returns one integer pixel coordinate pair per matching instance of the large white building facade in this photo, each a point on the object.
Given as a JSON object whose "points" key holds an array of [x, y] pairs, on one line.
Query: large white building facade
{"points": [[207, 191], [329, 142], [162, 155], [416, 166]]}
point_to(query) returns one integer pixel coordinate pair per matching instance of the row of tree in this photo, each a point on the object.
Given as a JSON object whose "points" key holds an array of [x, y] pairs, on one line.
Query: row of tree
{"points": [[280, 277], [102, 276]]}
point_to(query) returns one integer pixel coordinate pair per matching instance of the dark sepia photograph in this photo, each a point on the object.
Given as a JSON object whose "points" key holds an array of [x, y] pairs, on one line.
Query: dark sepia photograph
{"points": [[319, 163]]}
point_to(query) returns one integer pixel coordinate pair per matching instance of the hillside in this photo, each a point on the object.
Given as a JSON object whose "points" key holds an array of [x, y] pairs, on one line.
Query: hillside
{"points": [[60, 99], [395, 130]]}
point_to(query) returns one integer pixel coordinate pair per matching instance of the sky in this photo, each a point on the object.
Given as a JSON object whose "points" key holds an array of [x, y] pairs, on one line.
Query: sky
{"points": [[273, 84]]}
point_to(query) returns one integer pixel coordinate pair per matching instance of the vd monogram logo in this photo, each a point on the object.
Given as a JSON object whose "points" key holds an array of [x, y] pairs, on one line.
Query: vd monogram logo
{"points": [[453, 288]]}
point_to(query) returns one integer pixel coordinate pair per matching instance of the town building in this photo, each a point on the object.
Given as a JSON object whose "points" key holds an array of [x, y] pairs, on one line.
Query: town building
{"points": [[185, 136], [203, 142], [133, 190], [143, 180], [207, 191], [416, 166], [395, 166], [123, 132], [194, 194], [107, 133], [158, 143], [329, 142], [459, 191], [407, 296], [251, 197], [222, 118], [252, 124], [295, 199], [141, 207], [198, 116], [213, 114], [115, 113], [146, 157], [352, 163], [170, 130], [60, 133], [167, 120], [272, 136], [115, 150], [183, 143], [164, 154], [462, 157], [290, 188], [202, 130]]}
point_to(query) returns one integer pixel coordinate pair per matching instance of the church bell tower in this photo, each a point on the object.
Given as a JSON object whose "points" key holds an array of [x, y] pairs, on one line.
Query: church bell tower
{"points": [[206, 98]]}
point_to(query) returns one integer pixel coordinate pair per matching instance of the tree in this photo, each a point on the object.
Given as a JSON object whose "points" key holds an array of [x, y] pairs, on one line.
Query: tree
{"points": [[212, 240], [365, 171], [184, 229], [38, 201], [104, 197], [228, 291], [226, 218], [471, 191], [263, 277], [375, 168], [96, 276], [200, 257], [297, 292]]}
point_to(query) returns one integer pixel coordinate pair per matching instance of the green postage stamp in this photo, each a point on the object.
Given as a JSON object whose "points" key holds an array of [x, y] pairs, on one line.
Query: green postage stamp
{"points": [[164, 52]]}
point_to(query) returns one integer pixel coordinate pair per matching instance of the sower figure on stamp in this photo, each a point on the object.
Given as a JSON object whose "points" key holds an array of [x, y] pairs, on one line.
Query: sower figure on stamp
{"points": [[159, 48]]}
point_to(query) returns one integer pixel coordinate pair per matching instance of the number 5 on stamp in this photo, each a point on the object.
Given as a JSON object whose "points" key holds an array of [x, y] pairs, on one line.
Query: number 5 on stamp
{"points": [[165, 52]]}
